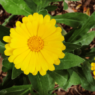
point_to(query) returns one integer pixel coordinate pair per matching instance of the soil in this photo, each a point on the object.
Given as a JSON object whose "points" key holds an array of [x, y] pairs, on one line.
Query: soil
{"points": [[83, 6]]}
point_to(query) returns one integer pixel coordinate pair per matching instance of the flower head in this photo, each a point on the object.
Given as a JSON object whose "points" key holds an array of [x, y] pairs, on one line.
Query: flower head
{"points": [[35, 45]]}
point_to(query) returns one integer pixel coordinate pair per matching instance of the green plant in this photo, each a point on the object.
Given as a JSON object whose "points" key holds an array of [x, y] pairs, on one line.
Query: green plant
{"points": [[74, 68]]}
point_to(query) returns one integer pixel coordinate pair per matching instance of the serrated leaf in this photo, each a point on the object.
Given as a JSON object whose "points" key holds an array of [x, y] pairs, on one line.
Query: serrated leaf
{"points": [[70, 60], [15, 72], [16, 7], [71, 19]]}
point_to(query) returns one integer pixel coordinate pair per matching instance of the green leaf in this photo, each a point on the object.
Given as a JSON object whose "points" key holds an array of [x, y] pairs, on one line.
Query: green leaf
{"points": [[16, 7], [51, 8], [38, 2], [86, 39], [16, 90], [4, 69], [89, 23], [15, 72], [91, 53], [31, 5], [70, 46], [71, 19], [70, 60], [42, 84], [7, 64], [87, 81], [4, 31], [2, 47], [43, 12], [59, 76], [73, 80], [41, 4], [65, 6]]}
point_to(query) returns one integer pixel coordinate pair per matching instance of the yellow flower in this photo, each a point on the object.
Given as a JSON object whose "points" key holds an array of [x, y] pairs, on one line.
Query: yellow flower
{"points": [[93, 68], [35, 45]]}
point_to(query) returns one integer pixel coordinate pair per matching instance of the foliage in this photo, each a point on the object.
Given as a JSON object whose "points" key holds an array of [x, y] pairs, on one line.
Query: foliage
{"points": [[74, 69]]}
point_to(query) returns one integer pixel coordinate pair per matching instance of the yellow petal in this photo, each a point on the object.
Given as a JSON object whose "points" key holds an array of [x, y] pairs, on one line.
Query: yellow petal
{"points": [[18, 24], [94, 73], [21, 57], [53, 22], [18, 51], [18, 66], [49, 31], [41, 30], [51, 67], [25, 30], [15, 43], [30, 28], [7, 46], [20, 31], [92, 64], [26, 72], [8, 52], [30, 17], [34, 28], [25, 19], [56, 36], [62, 55], [6, 38], [57, 62], [47, 56], [46, 19], [40, 19], [35, 72], [14, 34], [42, 62], [42, 72], [32, 63], [53, 50], [92, 68], [26, 62], [11, 58]]}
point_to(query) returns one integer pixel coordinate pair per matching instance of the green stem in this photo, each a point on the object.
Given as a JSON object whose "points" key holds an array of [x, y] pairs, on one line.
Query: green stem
{"points": [[7, 20]]}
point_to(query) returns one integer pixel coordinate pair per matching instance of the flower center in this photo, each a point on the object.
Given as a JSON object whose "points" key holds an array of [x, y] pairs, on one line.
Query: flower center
{"points": [[35, 43]]}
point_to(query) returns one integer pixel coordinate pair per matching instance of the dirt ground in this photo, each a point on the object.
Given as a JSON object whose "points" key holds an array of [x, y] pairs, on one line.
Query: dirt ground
{"points": [[83, 6]]}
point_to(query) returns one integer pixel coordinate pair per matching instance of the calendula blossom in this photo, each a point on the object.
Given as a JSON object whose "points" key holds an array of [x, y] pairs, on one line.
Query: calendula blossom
{"points": [[35, 44]]}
